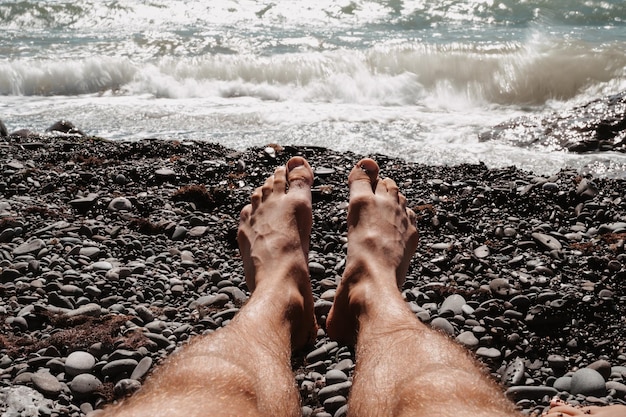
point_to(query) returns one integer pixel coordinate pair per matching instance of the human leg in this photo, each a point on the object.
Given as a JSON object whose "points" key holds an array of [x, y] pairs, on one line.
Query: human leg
{"points": [[244, 369], [404, 368]]}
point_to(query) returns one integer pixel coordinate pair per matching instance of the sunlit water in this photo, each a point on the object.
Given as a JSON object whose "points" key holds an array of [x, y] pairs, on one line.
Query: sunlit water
{"points": [[414, 79]]}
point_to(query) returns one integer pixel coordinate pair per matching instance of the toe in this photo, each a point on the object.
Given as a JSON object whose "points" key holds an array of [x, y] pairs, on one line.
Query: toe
{"points": [[364, 177], [268, 187], [299, 174], [279, 180], [388, 186]]}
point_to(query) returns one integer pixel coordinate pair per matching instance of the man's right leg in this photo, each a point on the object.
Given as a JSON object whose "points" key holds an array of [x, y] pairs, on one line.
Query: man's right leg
{"points": [[404, 368]]}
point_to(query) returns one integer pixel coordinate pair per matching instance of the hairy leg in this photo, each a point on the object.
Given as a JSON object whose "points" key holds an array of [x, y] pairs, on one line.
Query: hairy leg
{"points": [[244, 369], [559, 408], [404, 368]]}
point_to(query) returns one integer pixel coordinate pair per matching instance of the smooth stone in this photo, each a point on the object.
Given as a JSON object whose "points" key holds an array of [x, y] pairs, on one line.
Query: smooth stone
{"points": [[557, 362], [335, 377], [324, 171], [120, 204], [454, 303], [618, 387], [179, 233], [488, 353], [91, 252], [142, 368], [333, 404], [442, 324], [91, 309], [32, 246], [126, 387], [46, 383], [587, 381], [468, 339], [329, 391], [79, 362], [500, 286], [119, 367], [603, 367], [482, 252], [548, 242], [84, 385], [317, 269], [165, 173], [102, 266], [321, 352], [530, 392], [563, 383], [514, 372]]}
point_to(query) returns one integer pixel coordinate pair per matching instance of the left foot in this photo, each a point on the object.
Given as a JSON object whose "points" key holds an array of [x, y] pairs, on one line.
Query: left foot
{"points": [[559, 408], [273, 237]]}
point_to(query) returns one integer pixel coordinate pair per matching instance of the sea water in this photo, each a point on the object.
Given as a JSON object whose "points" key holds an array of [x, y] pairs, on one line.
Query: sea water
{"points": [[417, 79]]}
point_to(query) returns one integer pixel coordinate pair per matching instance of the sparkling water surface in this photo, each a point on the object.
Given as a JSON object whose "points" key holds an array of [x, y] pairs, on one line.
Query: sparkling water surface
{"points": [[414, 79]]}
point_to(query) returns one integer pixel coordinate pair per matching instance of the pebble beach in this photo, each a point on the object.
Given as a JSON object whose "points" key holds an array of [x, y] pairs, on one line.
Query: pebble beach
{"points": [[113, 254]]}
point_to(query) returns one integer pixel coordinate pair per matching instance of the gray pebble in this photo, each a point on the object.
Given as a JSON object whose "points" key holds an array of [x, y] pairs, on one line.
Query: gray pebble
{"points": [[587, 381], [454, 303], [442, 324], [85, 385], [467, 339], [79, 362], [47, 384]]}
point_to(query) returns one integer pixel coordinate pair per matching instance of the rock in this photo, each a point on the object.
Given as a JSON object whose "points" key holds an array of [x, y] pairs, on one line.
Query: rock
{"points": [[488, 353], [47, 384], [142, 368], [85, 385], [335, 377], [65, 126], [563, 383], [467, 339], [603, 367], [514, 373], [83, 204], [482, 252], [32, 246], [126, 387], [22, 401], [530, 392], [587, 381], [454, 303], [119, 367], [79, 362], [3, 130], [500, 287], [548, 242], [120, 204], [442, 324]]}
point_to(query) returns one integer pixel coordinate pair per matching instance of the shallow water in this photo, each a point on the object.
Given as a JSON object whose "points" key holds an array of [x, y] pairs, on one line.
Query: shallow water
{"points": [[416, 79]]}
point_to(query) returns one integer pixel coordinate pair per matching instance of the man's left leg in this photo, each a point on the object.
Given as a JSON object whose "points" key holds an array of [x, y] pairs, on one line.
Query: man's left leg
{"points": [[244, 369]]}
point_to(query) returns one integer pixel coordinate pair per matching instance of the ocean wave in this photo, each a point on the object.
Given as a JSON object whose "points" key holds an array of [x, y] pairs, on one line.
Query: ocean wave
{"points": [[529, 73]]}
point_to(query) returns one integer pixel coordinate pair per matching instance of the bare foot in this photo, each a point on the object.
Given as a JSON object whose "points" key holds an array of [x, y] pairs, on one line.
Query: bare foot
{"points": [[382, 238], [273, 237], [559, 408]]}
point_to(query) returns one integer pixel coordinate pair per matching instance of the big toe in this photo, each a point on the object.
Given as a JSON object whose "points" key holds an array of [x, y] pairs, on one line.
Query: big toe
{"points": [[299, 173], [364, 176]]}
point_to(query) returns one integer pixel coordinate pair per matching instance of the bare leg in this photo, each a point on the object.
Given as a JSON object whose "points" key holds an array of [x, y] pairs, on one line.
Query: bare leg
{"points": [[559, 408], [244, 369], [404, 368]]}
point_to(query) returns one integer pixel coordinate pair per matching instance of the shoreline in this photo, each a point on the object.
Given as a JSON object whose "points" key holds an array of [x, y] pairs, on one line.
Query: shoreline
{"points": [[125, 250]]}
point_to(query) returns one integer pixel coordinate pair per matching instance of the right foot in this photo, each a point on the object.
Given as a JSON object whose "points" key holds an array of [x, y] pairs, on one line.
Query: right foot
{"points": [[382, 238]]}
